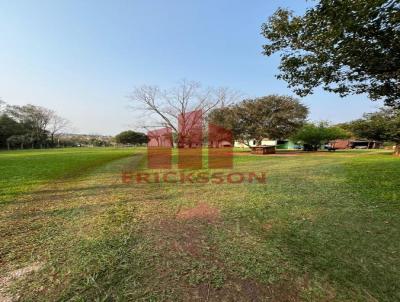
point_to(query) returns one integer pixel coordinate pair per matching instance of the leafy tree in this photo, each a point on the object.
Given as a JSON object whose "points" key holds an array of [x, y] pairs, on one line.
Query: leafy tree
{"points": [[18, 141], [345, 46], [383, 125], [131, 137], [34, 119], [29, 124], [225, 117], [313, 136], [373, 126], [274, 117], [8, 127]]}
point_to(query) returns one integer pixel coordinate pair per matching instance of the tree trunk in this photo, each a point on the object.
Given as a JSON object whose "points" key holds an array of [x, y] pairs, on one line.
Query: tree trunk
{"points": [[397, 150]]}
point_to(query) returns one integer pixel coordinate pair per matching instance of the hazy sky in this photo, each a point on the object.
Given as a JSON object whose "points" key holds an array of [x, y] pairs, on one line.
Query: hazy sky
{"points": [[82, 58]]}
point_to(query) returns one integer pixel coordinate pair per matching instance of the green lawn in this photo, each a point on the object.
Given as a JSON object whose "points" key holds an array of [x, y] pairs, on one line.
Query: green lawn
{"points": [[24, 170], [325, 227]]}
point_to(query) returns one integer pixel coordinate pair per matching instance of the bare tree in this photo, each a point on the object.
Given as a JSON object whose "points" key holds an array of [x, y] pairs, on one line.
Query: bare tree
{"points": [[166, 107], [56, 125], [227, 96]]}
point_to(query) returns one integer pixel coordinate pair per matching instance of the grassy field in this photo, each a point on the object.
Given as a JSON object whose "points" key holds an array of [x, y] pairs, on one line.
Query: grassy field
{"points": [[325, 227], [24, 170]]}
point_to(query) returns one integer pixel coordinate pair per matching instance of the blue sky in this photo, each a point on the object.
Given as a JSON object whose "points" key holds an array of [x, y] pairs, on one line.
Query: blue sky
{"points": [[82, 58]]}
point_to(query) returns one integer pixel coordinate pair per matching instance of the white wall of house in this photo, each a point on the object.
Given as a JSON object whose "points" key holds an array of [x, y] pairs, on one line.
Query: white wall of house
{"points": [[264, 142]]}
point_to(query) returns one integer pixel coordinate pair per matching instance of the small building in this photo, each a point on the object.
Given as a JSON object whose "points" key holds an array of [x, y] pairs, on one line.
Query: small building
{"points": [[263, 150], [355, 144], [340, 144], [219, 144], [365, 144], [279, 144]]}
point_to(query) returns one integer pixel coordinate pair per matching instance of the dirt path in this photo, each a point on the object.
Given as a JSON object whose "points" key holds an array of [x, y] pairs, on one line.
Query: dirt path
{"points": [[6, 281]]}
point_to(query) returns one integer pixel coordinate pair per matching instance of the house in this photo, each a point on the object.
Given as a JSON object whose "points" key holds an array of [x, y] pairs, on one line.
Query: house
{"points": [[219, 144], [279, 144]]}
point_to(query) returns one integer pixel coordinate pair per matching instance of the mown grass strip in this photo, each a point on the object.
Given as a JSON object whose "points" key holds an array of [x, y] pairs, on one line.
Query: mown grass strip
{"points": [[23, 171]]}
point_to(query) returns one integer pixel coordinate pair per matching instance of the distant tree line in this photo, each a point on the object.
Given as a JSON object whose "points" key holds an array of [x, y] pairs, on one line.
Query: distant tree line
{"points": [[383, 125], [85, 140], [281, 117], [29, 126], [380, 126]]}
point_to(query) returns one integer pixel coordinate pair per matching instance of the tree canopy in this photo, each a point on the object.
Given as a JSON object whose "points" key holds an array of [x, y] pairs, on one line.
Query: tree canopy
{"points": [[29, 125], [274, 117], [8, 128], [373, 126], [313, 136], [383, 125], [345, 46], [131, 137]]}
